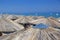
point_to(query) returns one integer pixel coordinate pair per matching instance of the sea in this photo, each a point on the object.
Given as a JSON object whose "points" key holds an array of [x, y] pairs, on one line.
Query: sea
{"points": [[45, 14]]}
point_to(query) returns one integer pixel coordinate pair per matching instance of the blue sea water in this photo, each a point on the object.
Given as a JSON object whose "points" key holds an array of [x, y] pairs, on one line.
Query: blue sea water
{"points": [[41, 26], [46, 14]]}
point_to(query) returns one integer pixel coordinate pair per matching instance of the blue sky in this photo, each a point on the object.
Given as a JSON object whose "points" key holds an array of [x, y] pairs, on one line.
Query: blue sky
{"points": [[31, 7], [23, 6]]}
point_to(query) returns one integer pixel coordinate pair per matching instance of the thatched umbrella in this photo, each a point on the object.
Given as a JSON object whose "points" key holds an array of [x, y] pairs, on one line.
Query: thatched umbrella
{"points": [[49, 33], [41, 20], [58, 19], [12, 17], [31, 33], [54, 23], [31, 18], [7, 25]]}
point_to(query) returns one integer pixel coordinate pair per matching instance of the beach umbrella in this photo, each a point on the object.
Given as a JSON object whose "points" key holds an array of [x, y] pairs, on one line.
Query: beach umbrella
{"points": [[31, 18], [7, 25], [41, 20], [12, 17], [31, 33], [54, 23], [45, 32], [58, 19]]}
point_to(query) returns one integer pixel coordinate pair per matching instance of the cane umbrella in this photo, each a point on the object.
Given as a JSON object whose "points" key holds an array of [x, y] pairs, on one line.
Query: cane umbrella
{"points": [[54, 23], [32, 33], [7, 25], [58, 19], [41, 20], [49, 33]]}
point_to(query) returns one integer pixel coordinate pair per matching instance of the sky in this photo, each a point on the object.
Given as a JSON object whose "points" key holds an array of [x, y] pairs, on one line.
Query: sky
{"points": [[22, 6], [29, 6]]}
